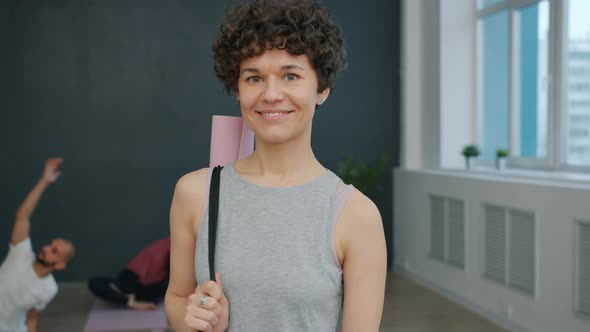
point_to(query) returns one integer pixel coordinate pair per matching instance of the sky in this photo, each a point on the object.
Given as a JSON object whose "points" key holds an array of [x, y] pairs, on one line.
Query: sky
{"points": [[579, 19]]}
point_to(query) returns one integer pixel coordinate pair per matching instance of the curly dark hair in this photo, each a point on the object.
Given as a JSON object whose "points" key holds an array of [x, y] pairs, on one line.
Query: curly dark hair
{"points": [[297, 26]]}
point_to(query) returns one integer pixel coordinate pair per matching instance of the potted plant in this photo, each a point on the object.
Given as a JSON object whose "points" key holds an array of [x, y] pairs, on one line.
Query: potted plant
{"points": [[501, 155], [365, 177], [470, 151]]}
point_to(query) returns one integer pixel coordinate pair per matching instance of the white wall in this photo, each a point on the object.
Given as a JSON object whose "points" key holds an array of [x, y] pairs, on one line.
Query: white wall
{"points": [[411, 115], [439, 93], [555, 206], [457, 75]]}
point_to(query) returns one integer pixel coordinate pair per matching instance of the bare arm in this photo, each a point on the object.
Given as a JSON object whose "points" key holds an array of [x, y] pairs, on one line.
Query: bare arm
{"points": [[185, 217], [22, 224], [364, 258], [31, 321]]}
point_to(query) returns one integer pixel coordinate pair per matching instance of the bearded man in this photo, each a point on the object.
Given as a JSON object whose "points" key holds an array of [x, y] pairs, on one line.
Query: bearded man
{"points": [[26, 281]]}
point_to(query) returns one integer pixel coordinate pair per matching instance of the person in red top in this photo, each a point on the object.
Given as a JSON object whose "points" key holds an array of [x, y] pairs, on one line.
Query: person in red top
{"points": [[142, 283]]}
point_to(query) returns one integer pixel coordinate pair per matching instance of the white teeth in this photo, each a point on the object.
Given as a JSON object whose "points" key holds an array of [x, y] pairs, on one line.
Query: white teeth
{"points": [[273, 114]]}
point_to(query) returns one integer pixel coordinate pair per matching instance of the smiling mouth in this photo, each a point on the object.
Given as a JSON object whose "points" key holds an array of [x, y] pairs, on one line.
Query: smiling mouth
{"points": [[274, 115]]}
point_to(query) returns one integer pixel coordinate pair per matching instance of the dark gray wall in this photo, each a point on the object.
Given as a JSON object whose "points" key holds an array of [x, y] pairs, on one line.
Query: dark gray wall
{"points": [[124, 91]]}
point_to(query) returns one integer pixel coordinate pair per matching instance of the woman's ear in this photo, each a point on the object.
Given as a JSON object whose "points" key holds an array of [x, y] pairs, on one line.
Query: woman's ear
{"points": [[322, 96]]}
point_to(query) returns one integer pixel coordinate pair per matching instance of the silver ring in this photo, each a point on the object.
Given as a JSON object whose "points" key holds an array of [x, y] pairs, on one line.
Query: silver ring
{"points": [[202, 301]]}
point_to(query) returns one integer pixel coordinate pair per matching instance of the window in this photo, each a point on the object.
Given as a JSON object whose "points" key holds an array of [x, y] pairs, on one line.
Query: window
{"points": [[514, 69], [579, 103], [579, 71], [580, 118], [578, 132], [534, 87], [578, 149], [495, 80], [583, 87], [486, 3], [577, 95], [579, 55]]}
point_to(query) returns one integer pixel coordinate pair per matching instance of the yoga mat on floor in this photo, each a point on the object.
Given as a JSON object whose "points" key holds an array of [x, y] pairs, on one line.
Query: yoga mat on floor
{"points": [[106, 317]]}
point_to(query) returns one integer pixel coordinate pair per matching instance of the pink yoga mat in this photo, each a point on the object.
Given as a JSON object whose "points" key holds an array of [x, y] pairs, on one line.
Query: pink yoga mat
{"points": [[231, 140], [106, 317]]}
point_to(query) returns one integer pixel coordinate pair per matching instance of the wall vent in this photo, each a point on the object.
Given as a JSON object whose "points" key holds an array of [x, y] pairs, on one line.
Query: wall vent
{"points": [[583, 269], [437, 227], [456, 232], [495, 243], [447, 230], [510, 247], [522, 251]]}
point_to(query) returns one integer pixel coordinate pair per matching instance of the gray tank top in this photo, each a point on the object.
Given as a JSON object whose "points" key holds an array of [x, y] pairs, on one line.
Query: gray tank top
{"points": [[275, 254]]}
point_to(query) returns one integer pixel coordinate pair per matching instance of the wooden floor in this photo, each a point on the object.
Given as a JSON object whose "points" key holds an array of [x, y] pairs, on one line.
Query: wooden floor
{"points": [[408, 308]]}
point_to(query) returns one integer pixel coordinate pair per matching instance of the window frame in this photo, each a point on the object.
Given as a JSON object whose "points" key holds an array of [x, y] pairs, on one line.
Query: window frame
{"points": [[557, 80]]}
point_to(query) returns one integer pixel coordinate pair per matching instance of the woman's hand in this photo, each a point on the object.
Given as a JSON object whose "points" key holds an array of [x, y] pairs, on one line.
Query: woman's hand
{"points": [[207, 309]]}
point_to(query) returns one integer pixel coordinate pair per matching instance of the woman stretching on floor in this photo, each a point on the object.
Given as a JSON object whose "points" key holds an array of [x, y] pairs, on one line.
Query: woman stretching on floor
{"points": [[142, 283]]}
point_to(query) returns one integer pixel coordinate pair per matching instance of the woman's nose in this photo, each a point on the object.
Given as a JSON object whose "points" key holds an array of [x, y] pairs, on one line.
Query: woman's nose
{"points": [[273, 91]]}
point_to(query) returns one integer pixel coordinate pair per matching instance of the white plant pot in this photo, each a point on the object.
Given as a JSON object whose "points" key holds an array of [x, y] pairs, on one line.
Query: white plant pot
{"points": [[468, 163], [501, 163]]}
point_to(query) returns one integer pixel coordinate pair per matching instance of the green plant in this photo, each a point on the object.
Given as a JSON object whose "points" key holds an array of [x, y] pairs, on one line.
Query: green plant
{"points": [[502, 153], [470, 151], [365, 177]]}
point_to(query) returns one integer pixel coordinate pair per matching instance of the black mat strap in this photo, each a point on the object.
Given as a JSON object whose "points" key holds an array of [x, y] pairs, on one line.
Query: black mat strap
{"points": [[213, 212]]}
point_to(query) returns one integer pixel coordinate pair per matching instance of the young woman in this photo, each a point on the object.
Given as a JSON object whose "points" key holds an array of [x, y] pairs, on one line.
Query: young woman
{"points": [[297, 249]]}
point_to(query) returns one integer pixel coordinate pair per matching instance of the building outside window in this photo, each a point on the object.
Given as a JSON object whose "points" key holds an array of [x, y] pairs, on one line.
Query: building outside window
{"points": [[534, 81]]}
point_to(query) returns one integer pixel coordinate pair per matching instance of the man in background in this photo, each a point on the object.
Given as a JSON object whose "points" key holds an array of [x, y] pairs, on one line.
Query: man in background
{"points": [[26, 281]]}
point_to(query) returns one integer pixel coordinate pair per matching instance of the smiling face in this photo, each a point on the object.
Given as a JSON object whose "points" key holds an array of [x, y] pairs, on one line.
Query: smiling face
{"points": [[278, 95], [55, 254]]}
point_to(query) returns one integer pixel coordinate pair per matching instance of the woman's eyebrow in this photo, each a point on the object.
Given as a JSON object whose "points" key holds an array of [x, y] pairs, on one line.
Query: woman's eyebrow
{"points": [[285, 67], [250, 69], [291, 67]]}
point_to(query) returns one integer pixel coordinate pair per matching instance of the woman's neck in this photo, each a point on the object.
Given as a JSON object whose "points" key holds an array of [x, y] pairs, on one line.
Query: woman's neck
{"points": [[285, 164]]}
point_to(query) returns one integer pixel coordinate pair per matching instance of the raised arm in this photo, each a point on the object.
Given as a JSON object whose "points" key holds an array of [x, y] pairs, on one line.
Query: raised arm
{"points": [[21, 228], [185, 217], [360, 233]]}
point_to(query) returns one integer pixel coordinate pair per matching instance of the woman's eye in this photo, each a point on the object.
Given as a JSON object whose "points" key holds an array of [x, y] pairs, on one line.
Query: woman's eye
{"points": [[290, 77], [253, 79]]}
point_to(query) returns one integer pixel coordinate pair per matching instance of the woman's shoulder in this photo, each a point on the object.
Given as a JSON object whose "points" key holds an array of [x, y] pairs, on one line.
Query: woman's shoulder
{"points": [[358, 224], [189, 197], [193, 183], [359, 211], [191, 190]]}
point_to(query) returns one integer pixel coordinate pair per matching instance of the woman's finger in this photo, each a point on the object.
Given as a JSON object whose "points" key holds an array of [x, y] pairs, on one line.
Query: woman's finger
{"points": [[203, 301], [211, 304], [196, 324], [203, 314], [211, 289]]}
